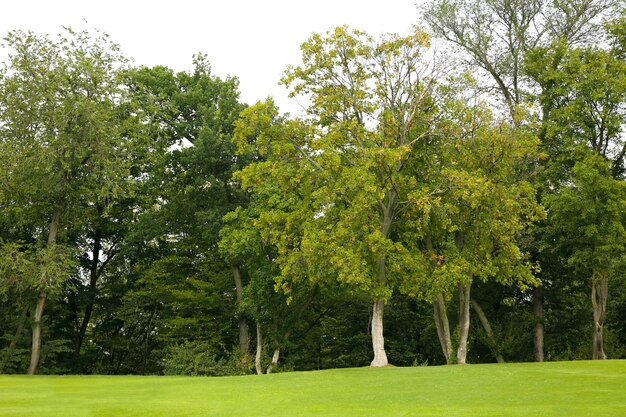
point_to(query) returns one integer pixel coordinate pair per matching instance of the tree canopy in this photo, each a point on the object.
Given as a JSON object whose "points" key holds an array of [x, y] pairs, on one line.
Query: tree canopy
{"points": [[419, 211]]}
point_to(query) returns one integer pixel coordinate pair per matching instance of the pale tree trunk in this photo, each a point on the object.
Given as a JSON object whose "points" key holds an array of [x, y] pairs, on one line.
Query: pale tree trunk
{"points": [[599, 298], [443, 327], [274, 362], [259, 350], [378, 341], [464, 322], [14, 340], [538, 330], [488, 330], [464, 307], [35, 354], [244, 333]]}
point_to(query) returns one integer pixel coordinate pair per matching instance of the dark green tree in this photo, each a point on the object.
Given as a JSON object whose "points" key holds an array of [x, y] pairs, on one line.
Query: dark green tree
{"points": [[61, 142]]}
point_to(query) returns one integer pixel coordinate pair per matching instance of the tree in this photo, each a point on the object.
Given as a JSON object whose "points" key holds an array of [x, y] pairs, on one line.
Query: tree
{"points": [[250, 239], [193, 113], [586, 93], [256, 235], [495, 36], [588, 230], [21, 268], [60, 139], [347, 164], [468, 221]]}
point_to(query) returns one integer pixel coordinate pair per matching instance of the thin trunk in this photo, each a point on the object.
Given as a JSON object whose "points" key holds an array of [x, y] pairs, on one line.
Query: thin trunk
{"points": [[599, 298], [35, 354], [439, 309], [464, 322], [378, 341], [464, 307], [274, 362], [91, 294], [259, 350], [443, 327], [145, 339], [244, 333], [538, 331], [488, 330], [14, 340]]}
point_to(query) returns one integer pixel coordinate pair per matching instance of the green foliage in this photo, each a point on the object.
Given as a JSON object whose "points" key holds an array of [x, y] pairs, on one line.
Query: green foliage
{"points": [[582, 94], [24, 268], [15, 264], [402, 181], [197, 359], [332, 180], [466, 221], [60, 129], [588, 218], [164, 282]]}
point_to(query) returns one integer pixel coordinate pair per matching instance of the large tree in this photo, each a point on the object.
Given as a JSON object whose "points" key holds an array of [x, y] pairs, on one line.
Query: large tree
{"points": [[495, 36], [61, 138], [350, 161], [185, 193], [588, 232], [467, 219], [586, 93]]}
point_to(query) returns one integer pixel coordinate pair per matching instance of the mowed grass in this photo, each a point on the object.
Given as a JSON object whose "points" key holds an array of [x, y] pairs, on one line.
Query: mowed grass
{"points": [[550, 389]]}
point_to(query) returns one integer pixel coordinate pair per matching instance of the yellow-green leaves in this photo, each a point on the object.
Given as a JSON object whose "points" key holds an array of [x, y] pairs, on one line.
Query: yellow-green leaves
{"points": [[386, 160], [348, 167]]}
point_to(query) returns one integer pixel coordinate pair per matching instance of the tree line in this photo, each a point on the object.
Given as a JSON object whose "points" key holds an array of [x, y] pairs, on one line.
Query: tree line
{"points": [[463, 202]]}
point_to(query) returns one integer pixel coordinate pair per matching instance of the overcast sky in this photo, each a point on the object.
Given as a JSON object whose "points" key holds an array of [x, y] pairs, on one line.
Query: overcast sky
{"points": [[253, 40]]}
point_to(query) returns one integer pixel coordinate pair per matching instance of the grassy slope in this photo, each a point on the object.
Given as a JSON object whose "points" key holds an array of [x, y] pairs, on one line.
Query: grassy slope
{"points": [[550, 389]]}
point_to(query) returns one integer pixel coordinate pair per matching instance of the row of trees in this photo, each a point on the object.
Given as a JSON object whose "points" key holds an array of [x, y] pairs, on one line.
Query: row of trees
{"points": [[153, 223]]}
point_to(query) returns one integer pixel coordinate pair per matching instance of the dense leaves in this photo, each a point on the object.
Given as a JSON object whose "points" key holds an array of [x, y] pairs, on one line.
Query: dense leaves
{"points": [[152, 223]]}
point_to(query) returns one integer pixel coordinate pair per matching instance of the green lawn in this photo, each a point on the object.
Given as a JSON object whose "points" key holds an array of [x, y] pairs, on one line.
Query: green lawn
{"points": [[549, 389]]}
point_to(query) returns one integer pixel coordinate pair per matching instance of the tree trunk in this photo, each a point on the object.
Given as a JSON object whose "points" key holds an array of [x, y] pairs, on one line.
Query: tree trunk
{"points": [[378, 341], [91, 294], [443, 327], [244, 337], [146, 338], [14, 340], [464, 322], [35, 354], [244, 333], [274, 360], [538, 331], [488, 330], [259, 350], [599, 298]]}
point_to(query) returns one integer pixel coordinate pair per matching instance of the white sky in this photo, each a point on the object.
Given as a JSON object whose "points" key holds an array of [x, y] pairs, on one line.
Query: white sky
{"points": [[252, 40]]}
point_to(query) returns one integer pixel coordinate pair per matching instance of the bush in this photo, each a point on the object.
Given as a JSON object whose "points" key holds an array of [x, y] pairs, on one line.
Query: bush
{"points": [[198, 358]]}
